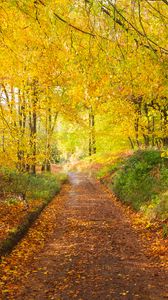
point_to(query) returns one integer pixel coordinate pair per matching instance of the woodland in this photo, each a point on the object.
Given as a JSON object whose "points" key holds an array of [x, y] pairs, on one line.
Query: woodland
{"points": [[81, 77], [83, 88]]}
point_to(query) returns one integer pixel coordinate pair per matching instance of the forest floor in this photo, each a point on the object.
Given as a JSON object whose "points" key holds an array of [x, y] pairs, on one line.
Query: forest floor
{"points": [[85, 246]]}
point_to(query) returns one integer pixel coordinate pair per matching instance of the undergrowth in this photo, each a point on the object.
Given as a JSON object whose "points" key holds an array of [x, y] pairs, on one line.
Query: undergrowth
{"points": [[141, 181], [22, 199], [17, 186]]}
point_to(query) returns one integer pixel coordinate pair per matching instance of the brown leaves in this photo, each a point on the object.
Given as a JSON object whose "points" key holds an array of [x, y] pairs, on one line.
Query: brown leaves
{"points": [[152, 236], [12, 268], [95, 249], [151, 233], [12, 215]]}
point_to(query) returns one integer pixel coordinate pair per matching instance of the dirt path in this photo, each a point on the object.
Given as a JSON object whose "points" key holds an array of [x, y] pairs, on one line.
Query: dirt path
{"points": [[94, 254]]}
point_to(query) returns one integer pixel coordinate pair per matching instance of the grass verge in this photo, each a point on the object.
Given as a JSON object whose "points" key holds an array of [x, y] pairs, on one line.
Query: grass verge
{"points": [[141, 181]]}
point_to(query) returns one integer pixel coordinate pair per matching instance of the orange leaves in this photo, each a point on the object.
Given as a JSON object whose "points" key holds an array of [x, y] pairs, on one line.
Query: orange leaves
{"points": [[93, 251], [152, 236], [15, 268], [12, 215]]}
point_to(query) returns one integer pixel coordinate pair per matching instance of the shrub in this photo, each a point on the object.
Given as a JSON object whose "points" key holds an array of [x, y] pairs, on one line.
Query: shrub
{"points": [[43, 186], [141, 179], [107, 170]]}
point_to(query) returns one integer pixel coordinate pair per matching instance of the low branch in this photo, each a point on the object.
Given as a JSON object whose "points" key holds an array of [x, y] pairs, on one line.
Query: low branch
{"points": [[73, 26]]}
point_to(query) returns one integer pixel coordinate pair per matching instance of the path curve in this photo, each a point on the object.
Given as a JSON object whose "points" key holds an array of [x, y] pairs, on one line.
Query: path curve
{"points": [[94, 254]]}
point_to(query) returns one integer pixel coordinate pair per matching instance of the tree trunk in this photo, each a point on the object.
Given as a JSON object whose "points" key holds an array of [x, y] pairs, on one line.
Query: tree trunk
{"points": [[131, 143], [50, 126], [92, 138], [33, 128]]}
